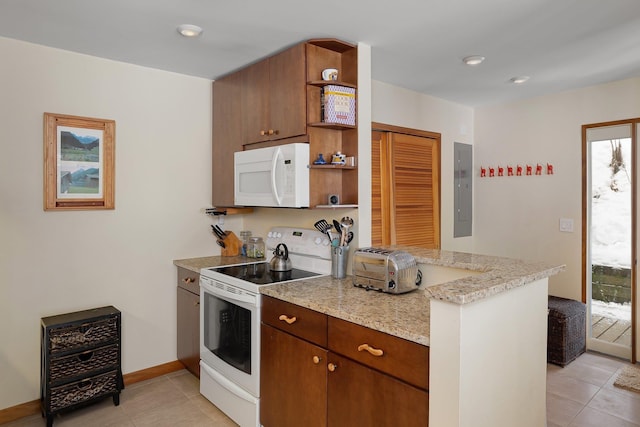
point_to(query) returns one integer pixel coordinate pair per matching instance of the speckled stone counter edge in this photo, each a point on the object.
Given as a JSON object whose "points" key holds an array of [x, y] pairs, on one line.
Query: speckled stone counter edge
{"points": [[497, 274], [196, 264]]}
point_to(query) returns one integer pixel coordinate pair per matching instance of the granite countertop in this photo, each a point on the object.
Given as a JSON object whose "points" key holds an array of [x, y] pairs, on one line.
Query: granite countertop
{"points": [[497, 274], [196, 264], [404, 315], [407, 315]]}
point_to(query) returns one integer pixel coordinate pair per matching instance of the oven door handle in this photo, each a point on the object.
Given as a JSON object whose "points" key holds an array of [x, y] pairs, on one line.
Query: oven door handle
{"points": [[229, 296]]}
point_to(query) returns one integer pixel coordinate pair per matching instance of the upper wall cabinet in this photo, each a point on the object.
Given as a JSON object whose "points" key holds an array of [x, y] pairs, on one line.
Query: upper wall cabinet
{"points": [[227, 135], [273, 97], [278, 100]]}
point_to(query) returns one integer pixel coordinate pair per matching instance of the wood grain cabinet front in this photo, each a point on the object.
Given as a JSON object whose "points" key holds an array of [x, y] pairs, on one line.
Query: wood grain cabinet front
{"points": [[188, 320], [227, 135], [387, 376], [273, 97], [293, 381], [358, 376]]}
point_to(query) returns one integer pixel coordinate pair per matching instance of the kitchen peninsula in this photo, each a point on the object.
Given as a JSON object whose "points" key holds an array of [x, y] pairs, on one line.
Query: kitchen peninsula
{"points": [[484, 319]]}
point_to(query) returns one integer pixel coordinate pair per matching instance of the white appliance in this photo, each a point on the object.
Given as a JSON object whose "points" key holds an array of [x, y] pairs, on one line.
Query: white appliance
{"points": [[230, 319], [273, 176]]}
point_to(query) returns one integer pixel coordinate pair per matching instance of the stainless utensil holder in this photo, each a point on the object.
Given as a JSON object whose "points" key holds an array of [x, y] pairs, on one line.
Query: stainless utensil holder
{"points": [[339, 258]]}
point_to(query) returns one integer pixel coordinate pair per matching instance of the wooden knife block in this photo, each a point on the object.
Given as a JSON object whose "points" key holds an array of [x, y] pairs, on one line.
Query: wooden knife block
{"points": [[232, 245]]}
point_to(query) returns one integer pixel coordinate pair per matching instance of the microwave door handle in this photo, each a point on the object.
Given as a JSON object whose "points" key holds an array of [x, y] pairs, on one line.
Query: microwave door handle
{"points": [[277, 153]]}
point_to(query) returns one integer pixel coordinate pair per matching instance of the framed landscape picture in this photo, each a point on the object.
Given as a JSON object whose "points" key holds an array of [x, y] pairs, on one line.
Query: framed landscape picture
{"points": [[79, 155]]}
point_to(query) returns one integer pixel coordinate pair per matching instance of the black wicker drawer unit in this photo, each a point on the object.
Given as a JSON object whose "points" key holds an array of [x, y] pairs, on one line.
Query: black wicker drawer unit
{"points": [[80, 359]]}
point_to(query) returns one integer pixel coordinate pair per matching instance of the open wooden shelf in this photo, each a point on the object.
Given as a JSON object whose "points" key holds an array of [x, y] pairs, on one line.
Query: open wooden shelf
{"points": [[323, 83], [330, 166], [337, 126]]}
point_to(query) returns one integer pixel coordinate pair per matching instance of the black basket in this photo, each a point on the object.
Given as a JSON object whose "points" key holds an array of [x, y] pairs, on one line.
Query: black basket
{"points": [[566, 338], [90, 333], [85, 362], [81, 391]]}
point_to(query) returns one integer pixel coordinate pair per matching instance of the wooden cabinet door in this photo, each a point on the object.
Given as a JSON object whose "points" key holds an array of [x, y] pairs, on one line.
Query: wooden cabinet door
{"points": [[293, 385], [188, 315], [274, 97], [288, 93], [361, 396], [227, 136], [255, 102]]}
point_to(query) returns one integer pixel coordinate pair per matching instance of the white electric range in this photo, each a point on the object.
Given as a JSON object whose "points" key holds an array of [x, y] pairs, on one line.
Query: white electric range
{"points": [[230, 319]]}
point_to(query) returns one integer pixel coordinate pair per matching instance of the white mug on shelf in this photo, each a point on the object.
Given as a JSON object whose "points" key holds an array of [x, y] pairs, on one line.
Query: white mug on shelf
{"points": [[330, 74]]}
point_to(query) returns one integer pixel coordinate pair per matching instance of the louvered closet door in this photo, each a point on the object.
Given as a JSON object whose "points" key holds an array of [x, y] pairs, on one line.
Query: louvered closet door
{"points": [[415, 213], [405, 183], [380, 232]]}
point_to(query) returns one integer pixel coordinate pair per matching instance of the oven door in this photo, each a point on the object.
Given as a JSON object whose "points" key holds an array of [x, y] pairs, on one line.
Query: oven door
{"points": [[230, 333]]}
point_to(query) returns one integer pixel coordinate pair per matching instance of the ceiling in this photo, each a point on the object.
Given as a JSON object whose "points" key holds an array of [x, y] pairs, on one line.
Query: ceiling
{"points": [[416, 44]]}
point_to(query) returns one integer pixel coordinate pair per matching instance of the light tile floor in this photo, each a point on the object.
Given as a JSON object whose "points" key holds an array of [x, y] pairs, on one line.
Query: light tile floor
{"points": [[171, 400], [580, 395]]}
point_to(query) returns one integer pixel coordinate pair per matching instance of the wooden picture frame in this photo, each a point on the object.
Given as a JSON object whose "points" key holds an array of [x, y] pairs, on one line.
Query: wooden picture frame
{"points": [[79, 161]]}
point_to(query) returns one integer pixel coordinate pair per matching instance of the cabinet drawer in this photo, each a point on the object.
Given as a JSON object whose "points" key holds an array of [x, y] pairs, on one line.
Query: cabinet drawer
{"points": [[189, 280], [308, 324], [83, 335], [399, 358], [83, 390], [84, 363]]}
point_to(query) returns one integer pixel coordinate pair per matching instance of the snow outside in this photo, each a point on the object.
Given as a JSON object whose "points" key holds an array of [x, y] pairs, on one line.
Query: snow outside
{"points": [[611, 216]]}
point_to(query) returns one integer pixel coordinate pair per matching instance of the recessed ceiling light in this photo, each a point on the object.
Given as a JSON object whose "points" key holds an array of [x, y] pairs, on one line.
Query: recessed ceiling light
{"points": [[189, 30], [519, 80], [473, 60]]}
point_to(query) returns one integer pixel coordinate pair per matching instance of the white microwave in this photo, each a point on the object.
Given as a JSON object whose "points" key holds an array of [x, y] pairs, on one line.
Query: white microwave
{"points": [[273, 176]]}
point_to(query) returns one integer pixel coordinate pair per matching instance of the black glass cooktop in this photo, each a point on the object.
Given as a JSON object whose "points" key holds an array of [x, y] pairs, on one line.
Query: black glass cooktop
{"points": [[260, 274]]}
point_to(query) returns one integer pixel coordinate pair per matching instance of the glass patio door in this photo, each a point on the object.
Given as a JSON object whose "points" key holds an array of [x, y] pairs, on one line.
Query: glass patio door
{"points": [[610, 239]]}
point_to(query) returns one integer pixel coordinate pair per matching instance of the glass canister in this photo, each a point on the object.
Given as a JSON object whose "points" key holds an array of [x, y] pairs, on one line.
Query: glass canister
{"points": [[244, 237], [255, 248]]}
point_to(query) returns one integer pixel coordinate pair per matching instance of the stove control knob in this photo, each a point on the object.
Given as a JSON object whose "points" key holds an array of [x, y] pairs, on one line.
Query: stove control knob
{"points": [[278, 235], [326, 242], [270, 234], [318, 240]]}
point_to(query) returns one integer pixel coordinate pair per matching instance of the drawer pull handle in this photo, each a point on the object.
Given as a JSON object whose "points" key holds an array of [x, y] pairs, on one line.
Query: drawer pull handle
{"points": [[374, 351], [316, 359], [289, 320], [332, 367], [189, 280], [85, 385], [86, 356], [197, 303]]}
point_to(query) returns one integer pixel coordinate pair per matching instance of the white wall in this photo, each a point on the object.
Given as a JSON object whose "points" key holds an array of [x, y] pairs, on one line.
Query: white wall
{"points": [[519, 216], [401, 107], [485, 372], [57, 262]]}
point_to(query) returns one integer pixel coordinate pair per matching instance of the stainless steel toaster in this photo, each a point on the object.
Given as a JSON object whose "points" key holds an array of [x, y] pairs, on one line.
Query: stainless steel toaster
{"points": [[385, 270]]}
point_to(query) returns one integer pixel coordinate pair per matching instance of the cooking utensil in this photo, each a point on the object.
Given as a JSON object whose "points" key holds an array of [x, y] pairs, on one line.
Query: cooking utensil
{"points": [[349, 237], [323, 226], [336, 225], [221, 244], [280, 260], [346, 223]]}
